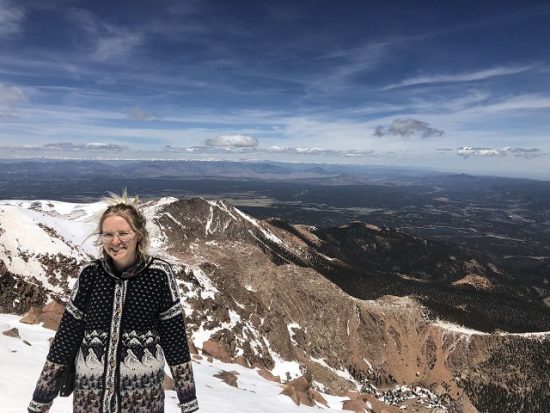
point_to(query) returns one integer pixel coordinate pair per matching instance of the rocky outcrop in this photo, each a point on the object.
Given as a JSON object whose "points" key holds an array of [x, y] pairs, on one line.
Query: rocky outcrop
{"points": [[60, 269], [17, 294], [50, 315], [228, 377], [13, 332], [214, 349], [300, 392]]}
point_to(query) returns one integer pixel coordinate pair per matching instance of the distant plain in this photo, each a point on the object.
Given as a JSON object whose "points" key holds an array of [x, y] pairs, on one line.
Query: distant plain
{"points": [[507, 218]]}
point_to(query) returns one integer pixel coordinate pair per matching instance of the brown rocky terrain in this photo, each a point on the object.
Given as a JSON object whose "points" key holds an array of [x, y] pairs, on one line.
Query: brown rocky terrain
{"points": [[383, 342], [356, 307], [18, 295]]}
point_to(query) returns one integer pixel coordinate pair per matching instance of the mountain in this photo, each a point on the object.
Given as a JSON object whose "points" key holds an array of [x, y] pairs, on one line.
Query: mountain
{"points": [[350, 308]]}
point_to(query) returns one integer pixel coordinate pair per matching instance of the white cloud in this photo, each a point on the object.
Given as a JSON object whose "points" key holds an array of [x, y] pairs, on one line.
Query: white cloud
{"points": [[238, 141], [11, 17], [528, 153], [464, 77], [405, 128]]}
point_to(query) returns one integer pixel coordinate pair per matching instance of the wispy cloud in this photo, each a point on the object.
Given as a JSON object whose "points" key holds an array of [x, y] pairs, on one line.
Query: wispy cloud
{"points": [[69, 146], [10, 98], [521, 102], [117, 42], [405, 128], [11, 95], [11, 18], [528, 153], [108, 40], [462, 77], [346, 64]]}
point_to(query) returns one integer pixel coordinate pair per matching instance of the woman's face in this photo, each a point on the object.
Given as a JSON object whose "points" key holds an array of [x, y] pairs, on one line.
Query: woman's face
{"points": [[119, 241]]}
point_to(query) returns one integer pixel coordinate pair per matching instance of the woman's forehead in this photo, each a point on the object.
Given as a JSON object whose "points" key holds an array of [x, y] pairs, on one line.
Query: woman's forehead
{"points": [[116, 222]]}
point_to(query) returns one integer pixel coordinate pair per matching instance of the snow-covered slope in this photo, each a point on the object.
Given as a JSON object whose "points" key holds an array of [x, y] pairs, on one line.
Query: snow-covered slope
{"points": [[35, 234], [22, 360]]}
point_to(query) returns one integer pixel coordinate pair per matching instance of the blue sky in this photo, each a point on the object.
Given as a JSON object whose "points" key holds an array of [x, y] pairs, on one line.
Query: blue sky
{"points": [[458, 86]]}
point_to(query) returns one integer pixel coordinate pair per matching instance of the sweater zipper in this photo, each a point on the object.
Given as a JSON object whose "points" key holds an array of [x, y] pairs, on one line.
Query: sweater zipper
{"points": [[110, 397]]}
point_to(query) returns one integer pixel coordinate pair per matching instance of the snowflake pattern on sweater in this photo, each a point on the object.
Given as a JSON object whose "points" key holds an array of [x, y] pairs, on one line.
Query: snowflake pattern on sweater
{"points": [[120, 327]]}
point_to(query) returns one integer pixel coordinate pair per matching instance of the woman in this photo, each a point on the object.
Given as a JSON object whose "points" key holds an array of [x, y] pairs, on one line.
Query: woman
{"points": [[123, 318]]}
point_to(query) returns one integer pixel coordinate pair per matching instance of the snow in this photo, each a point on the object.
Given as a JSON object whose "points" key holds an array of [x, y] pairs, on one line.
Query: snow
{"points": [[207, 288], [457, 328], [291, 327], [283, 368], [150, 211], [21, 366], [234, 317], [468, 331], [60, 216], [368, 363], [268, 234], [22, 238], [326, 257], [221, 205], [202, 335], [268, 247], [72, 211], [207, 229]]}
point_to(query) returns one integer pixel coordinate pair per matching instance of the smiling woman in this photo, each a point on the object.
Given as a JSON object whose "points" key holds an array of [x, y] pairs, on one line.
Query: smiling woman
{"points": [[123, 320], [123, 235]]}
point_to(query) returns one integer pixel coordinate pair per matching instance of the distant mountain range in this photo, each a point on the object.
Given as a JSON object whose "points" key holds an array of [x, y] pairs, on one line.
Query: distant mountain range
{"points": [[505, 218], [351, 307]]}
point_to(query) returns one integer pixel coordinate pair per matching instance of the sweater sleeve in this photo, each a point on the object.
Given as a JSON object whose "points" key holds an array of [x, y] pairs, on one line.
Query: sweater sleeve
{"points": [[174, 343], [63, 349]]}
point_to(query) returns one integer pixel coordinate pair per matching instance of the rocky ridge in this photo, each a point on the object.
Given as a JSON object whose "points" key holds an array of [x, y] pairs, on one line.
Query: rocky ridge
{"points": [[273, 296]]}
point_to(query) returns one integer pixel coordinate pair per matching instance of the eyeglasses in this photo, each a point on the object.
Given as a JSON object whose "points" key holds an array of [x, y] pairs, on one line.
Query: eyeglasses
{"points": [[123, 236]]}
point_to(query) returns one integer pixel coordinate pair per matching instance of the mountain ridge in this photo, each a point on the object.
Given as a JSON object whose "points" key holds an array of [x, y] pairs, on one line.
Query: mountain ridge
{"points": [[258, 294]]}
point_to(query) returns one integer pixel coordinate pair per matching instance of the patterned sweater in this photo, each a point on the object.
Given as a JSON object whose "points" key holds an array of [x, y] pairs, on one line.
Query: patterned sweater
{"points": [[120, 327]]}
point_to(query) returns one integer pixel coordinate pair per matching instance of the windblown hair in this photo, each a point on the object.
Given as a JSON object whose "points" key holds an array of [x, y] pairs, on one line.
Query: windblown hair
{"points": [[127, 208]]}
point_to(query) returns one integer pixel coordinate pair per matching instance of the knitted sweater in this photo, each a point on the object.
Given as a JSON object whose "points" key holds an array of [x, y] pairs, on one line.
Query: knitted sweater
{"points": [[120, 327]]}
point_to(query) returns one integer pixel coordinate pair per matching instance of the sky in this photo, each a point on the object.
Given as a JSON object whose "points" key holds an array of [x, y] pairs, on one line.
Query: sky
{"points": [[460, 86]]}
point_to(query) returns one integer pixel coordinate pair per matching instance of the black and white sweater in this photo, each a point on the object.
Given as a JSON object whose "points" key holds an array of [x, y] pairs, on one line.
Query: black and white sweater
{"points": [[120, 328]]}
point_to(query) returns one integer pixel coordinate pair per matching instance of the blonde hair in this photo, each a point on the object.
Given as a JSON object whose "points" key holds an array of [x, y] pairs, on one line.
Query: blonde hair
{"points": [[127, 208]]}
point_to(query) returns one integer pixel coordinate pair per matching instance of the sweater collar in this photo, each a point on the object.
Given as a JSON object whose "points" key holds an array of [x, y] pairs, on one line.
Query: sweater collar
{"points": [[131, 272]]}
